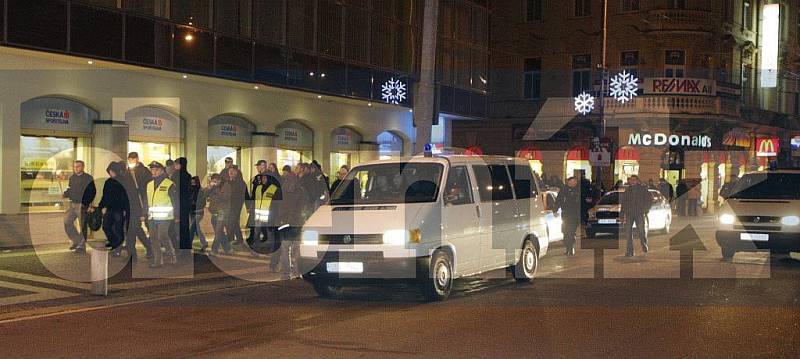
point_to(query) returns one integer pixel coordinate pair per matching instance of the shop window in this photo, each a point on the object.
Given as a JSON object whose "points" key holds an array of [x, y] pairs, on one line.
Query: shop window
{"points": [[303, 71], [234, 58], [533, 79], [332, 76], [149, 152], [191, 12], [268, 20], [95, 32], [216, 156], [147, 41], [357, 41], [193, 50], [339, 159], [583, 8], [330, 27], [630, 62], [293, 158], [389, 145], [156, 8], [533, 10], [38, 23], [270, 64], [300, 24], [359, 82], [45, 168], [233, 17]]}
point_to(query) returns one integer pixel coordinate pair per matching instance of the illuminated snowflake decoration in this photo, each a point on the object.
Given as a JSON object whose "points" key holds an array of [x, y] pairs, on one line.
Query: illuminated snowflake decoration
{"points": [[394, 91], [584, 103], [624, 87]]}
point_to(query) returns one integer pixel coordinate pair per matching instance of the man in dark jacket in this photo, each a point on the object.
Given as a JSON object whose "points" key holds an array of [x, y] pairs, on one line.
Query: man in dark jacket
{"points": [[681, 191], [183, 180], [635, 203], [115, 207], [139, 177], [291, 217], [81, 193], [666, 189], [569, 202]]}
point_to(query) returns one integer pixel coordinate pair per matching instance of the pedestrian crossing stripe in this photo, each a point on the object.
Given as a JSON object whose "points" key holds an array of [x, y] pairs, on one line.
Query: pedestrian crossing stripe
{"points": [[37, 294]]}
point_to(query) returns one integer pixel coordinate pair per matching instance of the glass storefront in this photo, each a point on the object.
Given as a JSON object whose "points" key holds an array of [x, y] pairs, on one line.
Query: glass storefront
{"points": [[339, 159], [577, 159], [293, 158], [45, 167], [345, 146], [295, 143], [389, 146], [626, 164], [150, 151], [216, 157]]}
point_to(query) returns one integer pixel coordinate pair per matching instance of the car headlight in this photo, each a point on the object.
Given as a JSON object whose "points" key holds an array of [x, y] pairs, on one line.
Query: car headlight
{"points": [[395, 237], [790, 221], [727, 219], [310, 238]]}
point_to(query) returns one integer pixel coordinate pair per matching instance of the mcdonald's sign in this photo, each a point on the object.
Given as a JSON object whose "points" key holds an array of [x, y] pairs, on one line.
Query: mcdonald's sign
{"points": [[767, 147]]}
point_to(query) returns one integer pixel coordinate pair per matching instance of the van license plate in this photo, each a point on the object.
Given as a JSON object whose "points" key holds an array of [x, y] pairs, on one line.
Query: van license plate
{"points": [[607, 221], [756, 237], [345, 267]]}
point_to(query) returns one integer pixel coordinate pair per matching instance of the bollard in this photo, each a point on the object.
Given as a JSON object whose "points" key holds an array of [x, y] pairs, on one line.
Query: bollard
{"points": [[99, 271]]}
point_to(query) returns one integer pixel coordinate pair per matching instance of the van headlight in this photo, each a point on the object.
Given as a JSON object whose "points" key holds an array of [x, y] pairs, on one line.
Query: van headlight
{"points": [[727, 219], [310, 238], [395, 237], [790, 221]]}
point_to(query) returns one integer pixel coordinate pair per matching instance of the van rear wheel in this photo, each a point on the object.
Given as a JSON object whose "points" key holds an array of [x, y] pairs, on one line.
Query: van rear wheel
{"points": [[528, 263], [437, 283], [727, 253]]}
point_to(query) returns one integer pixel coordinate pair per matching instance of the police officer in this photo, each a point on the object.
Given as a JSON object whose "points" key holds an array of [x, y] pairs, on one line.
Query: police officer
{"points": [[635, 204], [265, 195], [162, 200], [569, 201]]}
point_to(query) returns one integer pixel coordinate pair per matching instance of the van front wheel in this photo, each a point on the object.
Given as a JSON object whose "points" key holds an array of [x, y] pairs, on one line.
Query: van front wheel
{"points": [[437, 283], [528, 264], [326, 289]]}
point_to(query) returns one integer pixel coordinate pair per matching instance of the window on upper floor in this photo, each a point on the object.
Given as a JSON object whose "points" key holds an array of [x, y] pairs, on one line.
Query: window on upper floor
{"points": [[678, 4], [583, 8], [533, 10], [148, 7], [533, 79], [629, 61], [747, 14], [675, 63], [233, 17], [191, 12], [630, 5], [581, 74]]}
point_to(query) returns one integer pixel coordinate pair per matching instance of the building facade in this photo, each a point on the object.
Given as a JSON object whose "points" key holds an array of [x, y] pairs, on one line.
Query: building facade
{"points": [[717, 80]]}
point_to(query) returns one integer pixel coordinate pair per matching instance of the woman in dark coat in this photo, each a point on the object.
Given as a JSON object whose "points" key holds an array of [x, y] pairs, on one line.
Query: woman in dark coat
{"points": [[239, 194]]}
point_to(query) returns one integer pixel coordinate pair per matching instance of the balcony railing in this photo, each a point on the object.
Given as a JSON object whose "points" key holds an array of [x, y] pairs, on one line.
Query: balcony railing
{"points": [[664, 104], [680, 20]]}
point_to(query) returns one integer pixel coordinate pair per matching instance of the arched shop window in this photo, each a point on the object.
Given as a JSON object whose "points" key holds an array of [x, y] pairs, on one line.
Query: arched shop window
{"points": [[229, 136], [626, 163], [534, 158], [55, 132], [155, 133], [295, 143], [390, 145], [344, 148], [577, 158]]}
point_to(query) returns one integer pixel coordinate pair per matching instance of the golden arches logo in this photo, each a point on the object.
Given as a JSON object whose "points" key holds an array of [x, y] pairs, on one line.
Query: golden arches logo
{"points": [[767, 146]]}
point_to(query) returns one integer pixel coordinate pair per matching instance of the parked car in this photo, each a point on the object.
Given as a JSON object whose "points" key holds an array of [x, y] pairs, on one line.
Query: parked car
{"points": [[430, 220], [762, 213], [605, 216]]}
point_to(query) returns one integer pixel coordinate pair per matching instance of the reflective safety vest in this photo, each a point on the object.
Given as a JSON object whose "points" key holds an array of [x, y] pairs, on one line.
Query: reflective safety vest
{"points": [[160, 204], [263, 201]]}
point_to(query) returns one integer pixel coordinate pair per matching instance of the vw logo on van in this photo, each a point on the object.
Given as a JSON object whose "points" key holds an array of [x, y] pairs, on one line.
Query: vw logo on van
{"points": [[347, 239]]}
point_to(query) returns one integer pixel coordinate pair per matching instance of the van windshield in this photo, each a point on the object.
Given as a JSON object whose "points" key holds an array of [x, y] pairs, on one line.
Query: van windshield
{"points": [[768, 186], [390, 183]]}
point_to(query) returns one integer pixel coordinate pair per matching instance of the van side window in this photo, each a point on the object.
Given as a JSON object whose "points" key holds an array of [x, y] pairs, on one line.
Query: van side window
{"points": [[493, 183], [458, 190], [524, 184]]}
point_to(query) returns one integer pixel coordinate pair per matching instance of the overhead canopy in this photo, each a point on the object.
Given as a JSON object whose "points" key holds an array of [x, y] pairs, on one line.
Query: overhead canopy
{"points": [[627, 153], [578, 153], [345, 139], [530, 153], [294, 135], [57, 115], [230, 130], [154, 124]]}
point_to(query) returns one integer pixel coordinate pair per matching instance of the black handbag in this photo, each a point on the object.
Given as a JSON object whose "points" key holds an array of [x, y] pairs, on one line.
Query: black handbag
{"points": [[95, 220]]}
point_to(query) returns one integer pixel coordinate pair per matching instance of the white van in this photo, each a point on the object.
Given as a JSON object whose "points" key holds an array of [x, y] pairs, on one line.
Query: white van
{"points": [[430, 219], [762, 213]]}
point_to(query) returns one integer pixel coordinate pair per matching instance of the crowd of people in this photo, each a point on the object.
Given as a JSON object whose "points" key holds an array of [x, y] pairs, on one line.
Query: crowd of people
{"points": [[162, 206]]}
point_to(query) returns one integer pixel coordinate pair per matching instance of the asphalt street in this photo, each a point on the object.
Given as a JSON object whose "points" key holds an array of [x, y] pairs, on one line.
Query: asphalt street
{"points": [[675, 302]]}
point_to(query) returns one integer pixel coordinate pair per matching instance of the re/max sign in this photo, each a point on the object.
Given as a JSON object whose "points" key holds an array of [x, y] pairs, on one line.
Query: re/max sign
{"points": [[678, 86]]}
